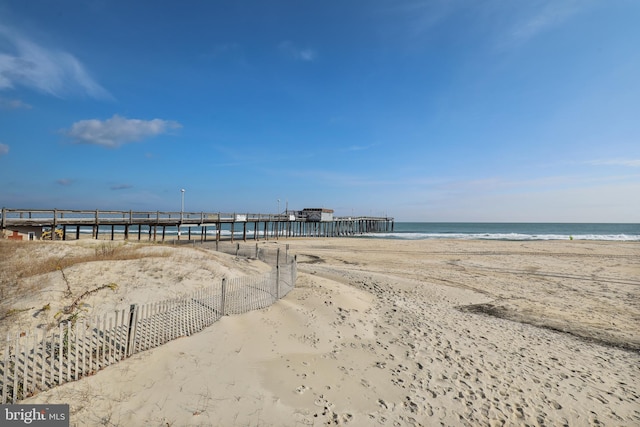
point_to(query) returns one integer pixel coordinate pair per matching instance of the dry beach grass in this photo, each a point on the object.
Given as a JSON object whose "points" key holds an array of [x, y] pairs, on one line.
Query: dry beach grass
{"points": [[42, 283], [382, 332]]}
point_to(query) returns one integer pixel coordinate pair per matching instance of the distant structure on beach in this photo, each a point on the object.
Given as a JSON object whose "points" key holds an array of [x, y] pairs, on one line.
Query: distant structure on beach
{"points": [[36, 224]]}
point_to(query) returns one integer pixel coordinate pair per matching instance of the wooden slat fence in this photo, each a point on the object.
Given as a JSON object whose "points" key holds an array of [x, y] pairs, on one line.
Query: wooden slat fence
{"points": [[35, 361]]}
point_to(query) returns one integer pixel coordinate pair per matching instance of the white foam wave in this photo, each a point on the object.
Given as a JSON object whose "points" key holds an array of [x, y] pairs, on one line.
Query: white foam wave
{"points": [[505, 236]]}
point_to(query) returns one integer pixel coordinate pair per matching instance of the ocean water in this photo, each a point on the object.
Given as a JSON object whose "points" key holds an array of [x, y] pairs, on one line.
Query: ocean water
{"points": [[440, 230], [512, 231]]}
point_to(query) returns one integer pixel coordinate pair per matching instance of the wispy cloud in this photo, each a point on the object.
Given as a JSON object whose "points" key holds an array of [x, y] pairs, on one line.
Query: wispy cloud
{"points": [[4, 149], [300, 54], [359, 147], [116, 131], [421, 15], [533, 184], [220, 50], [633, 163], [339, 178], [121, 187], [13, 104], [551, 14], [51, 71], [64, 182]]}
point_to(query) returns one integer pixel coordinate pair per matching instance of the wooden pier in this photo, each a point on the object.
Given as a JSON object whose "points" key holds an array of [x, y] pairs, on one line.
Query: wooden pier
{"points": [[29, 223]]}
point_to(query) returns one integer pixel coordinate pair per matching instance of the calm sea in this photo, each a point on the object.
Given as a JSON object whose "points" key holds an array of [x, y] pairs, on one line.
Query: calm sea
{"points": [[512, 231], [459, 230]]}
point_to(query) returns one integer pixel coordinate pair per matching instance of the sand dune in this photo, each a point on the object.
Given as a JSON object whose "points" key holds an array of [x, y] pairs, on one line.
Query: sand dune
{"points": [[381, 332]]}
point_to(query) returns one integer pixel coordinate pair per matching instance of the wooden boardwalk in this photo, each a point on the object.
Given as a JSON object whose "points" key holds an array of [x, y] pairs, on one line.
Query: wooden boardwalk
{"points": [[202, 225]]}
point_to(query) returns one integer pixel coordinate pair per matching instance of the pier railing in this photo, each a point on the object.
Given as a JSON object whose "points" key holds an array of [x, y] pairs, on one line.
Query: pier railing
{"points": [[33, 361], [106, 217], [73, 216], [154, 225]]}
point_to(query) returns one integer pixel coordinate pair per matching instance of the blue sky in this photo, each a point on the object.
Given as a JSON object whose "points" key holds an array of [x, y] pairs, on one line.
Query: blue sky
{"points": [[425, 110]]}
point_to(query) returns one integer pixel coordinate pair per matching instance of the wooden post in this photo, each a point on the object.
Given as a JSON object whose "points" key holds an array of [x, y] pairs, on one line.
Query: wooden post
{"points": [[68, 327], [53, 227], [76, 349], [107, 340], [45, 358], [5, 360], [131, 330], [224, 296], [60, 353], [96, 228], [278, 274], [15, 368]]}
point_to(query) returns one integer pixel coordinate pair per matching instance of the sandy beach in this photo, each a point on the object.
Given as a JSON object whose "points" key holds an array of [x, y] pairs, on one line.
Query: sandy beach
{"points": [[384, 332]]}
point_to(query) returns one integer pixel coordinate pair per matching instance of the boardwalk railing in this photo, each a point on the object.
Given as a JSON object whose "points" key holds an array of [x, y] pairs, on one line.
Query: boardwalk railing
{"points": [[39, 360]]}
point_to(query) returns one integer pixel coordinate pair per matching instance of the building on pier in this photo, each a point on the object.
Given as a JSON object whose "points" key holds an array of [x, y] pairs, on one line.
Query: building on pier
{"points": [[317, 214]]}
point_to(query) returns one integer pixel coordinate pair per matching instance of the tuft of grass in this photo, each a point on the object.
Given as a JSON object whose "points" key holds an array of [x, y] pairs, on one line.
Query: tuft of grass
{"points": [[22, 259], [16, 265], [13, 311]]}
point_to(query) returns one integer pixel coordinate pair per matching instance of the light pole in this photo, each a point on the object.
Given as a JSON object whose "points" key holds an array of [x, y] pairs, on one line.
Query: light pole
{"points": [[278, 207]]}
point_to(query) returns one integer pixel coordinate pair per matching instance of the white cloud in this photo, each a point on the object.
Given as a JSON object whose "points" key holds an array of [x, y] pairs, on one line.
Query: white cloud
{"points": [[51, 71], [551, 14], [4, 149], [634, 163], [117, 130], [13, 104], [301, 54]]}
